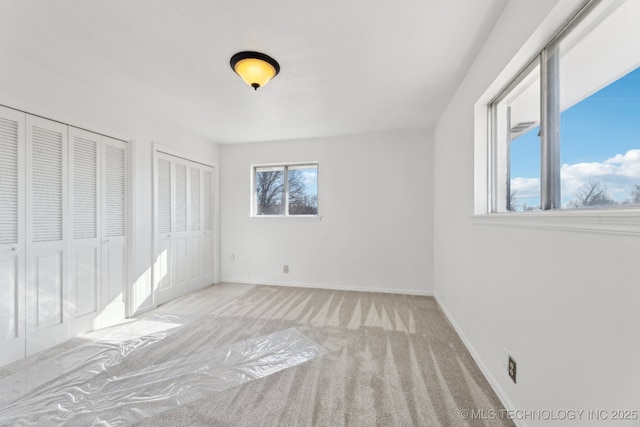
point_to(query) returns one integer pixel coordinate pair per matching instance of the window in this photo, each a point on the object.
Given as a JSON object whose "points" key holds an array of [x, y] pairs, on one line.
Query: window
{"points": [[285, 190], [566, 131]]}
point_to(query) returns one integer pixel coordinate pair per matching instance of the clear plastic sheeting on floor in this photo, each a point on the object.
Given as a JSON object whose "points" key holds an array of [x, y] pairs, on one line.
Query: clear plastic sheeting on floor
{"points": [[87, 360], [117, 400]]}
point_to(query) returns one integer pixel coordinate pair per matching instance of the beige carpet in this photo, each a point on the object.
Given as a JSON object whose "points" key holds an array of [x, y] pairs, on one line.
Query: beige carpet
{"points": [[392, 360]]}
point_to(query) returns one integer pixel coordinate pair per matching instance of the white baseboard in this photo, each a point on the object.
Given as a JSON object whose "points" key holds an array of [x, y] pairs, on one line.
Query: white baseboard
{"points": [[483, 368], [336, 287]]}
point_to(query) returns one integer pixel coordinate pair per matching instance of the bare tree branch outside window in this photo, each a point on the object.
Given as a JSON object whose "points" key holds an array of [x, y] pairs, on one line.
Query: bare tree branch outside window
{"points": [[303, 199], [301, 187], [635, 193], [269, 191], [593, 193], [513, 200]]}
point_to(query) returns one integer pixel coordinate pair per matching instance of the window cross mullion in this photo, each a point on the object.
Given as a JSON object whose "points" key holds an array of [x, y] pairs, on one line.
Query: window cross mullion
{"points": [[550, 130]]}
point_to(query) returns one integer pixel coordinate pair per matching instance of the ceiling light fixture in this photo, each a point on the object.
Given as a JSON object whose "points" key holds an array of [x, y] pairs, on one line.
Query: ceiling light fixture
{"points": [[255, 68]]}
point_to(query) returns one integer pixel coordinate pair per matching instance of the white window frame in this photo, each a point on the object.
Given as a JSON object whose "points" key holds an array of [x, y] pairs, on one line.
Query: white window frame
{"points": [[619, 220], [285, 166]]}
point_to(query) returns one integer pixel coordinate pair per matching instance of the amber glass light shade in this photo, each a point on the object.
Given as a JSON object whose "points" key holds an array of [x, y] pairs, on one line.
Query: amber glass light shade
{"points": [[255, 68]]}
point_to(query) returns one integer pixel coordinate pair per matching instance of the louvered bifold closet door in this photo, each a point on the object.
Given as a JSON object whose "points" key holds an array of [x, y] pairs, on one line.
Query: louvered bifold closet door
{"points": [[47, 223], [114, 243], [12, 235], [85, 248], [207, 225], [184, 243], [163, 223]]}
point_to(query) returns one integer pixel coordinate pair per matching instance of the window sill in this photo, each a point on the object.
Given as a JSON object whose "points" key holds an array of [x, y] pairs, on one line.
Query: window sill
{"points": [[625, 222], [288, 217]]}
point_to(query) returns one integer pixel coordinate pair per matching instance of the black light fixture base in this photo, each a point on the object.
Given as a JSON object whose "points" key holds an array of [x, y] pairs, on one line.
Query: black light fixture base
{"points": [[257, 55]]}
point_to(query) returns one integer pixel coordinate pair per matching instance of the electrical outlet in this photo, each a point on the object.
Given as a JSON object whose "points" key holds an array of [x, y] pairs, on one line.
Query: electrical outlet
{"points": [[285, 269], [512, 369]]}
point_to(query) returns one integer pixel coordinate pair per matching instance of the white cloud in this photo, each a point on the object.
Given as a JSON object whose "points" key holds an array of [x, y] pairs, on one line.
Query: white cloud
{"points": [[310, 178], [631, 156], [526, 188], [617, 173]]}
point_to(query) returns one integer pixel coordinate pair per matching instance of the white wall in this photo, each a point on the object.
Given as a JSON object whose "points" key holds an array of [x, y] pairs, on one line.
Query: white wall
{"points": [[375, 200], [36, 89], [563, 303]]}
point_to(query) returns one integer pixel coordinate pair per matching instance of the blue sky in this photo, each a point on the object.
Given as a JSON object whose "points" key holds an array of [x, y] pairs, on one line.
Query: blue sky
{"points": [[310, 179], [600, 139]]}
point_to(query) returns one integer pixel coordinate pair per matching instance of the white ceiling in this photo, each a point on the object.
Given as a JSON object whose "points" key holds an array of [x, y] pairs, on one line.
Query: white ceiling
{"points": [[347, 66]]}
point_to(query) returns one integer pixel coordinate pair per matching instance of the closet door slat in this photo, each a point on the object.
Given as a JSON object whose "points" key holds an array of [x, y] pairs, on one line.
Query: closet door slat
{"points": [[85, 184], [115, 197], [164, 196], [47, 185], [9, 170]]}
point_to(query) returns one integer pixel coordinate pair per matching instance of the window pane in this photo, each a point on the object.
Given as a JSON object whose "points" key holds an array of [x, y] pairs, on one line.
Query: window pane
{"points": [[524, 193], [517, 163], [303, 190], [600, 104], [269, 196]]}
